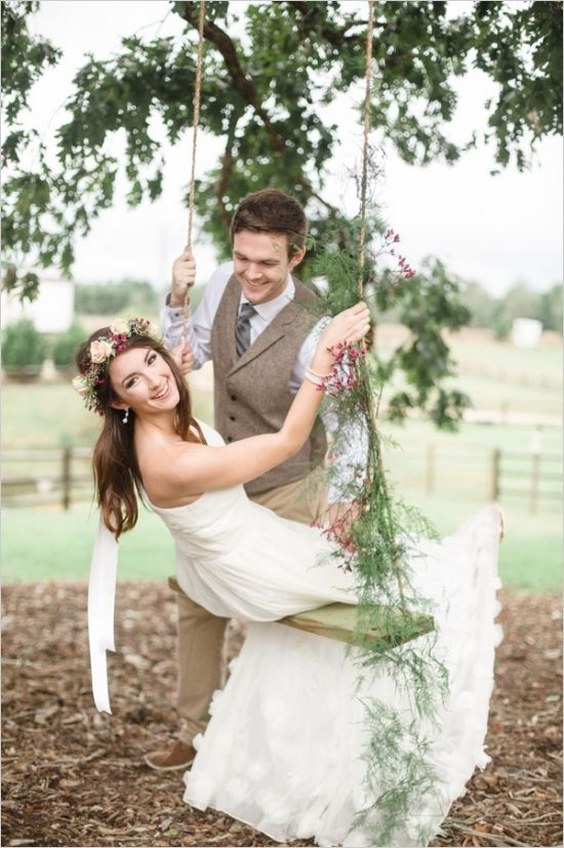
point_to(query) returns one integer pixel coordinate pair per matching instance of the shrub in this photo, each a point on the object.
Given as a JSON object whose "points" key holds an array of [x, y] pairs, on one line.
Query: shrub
{"points": [[66, 344], [23, 345]]}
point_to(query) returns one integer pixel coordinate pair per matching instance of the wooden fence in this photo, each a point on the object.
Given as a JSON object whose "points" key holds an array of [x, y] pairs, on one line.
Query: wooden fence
{"points": [[533, 476], [532, 479], [40, 477], [62, 476]]}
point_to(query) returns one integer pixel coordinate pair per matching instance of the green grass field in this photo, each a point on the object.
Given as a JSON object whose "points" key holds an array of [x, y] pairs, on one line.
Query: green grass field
{"points": [[50, 544], [53, 544], [446, 475]]}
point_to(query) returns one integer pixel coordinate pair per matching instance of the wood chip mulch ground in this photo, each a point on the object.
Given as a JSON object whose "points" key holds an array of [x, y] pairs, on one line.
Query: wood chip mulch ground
{"points": [[72, 777]]}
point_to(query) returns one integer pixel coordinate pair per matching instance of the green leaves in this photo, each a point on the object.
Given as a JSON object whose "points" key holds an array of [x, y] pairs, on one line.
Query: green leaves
{"points": [[24, 57], [428, 304], [269, 70], [520, 49], [22, 345]]}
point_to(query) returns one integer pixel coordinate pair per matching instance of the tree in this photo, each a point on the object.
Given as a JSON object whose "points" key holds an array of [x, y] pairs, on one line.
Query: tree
{"points": [[269, 70], [523, 302], [520, 302], [550, 309], [113, 298], [24, 59], [429, 303], [482, 306]]}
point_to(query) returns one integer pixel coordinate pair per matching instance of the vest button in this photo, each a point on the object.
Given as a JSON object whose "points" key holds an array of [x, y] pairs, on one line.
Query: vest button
{"points": [[232, 418], [229, 439], [232, 397]]}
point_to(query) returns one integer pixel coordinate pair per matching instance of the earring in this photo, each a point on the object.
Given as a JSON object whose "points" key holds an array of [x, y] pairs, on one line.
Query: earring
{"points": [[125, 418]]}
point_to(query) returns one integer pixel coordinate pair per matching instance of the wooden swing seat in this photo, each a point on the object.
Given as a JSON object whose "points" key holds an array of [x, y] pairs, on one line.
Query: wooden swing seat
{"points": [[339, 621]]}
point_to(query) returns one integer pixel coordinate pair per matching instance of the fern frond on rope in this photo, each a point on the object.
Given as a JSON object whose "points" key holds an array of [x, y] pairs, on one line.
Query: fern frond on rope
{"points": [[375, 537]]}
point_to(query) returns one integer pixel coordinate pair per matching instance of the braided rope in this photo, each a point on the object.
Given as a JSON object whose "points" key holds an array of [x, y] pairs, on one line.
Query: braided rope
{"points": [[195, 124], [365, 149], [361, 260]]}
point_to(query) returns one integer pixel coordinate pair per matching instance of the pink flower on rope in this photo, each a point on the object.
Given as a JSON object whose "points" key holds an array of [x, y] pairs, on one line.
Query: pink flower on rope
{"points": [[391, 237], [343, 376], [403, 268], [340, 530]]}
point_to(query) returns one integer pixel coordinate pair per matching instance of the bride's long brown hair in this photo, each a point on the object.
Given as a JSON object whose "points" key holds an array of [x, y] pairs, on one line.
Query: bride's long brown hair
{"points": [[114, 461]]}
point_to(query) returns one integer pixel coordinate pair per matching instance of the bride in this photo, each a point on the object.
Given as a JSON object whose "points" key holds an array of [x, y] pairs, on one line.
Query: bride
{"points": [[284, 748]]}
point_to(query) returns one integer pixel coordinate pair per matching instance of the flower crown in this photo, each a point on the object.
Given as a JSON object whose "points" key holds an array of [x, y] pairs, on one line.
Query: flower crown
{"points": [[101, 351]]}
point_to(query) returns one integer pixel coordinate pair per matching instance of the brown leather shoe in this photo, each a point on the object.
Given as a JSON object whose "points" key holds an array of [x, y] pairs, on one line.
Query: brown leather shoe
{"points": [[180, 756]]}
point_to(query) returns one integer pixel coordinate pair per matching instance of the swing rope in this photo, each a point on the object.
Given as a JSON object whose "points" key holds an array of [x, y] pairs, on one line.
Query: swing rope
{"points": [[365, 147], [363, 204], [195, 125], [360, 284]]}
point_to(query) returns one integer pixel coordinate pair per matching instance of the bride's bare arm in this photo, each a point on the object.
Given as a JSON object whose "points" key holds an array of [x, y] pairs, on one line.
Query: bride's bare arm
{"points": [[190, 469]]}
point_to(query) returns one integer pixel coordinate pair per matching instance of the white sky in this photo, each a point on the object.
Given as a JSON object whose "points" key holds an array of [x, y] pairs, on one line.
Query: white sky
{"points": [[495, 230]]}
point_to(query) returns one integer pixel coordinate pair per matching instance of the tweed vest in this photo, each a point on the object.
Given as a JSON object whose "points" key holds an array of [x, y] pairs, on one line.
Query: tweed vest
{"points": [[251, 394]]}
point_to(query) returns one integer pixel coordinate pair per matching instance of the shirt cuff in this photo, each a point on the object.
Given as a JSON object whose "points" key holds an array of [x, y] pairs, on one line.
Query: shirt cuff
{"points": [[174, 308], [175, 312]]}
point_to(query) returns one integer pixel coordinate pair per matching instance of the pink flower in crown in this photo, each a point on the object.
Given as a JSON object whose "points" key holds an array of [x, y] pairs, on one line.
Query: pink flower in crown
{"points": [[100, 351], [120, 343]]}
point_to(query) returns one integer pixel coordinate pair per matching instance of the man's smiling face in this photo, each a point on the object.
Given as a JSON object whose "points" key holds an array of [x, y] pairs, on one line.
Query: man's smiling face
{"points": [[262, 264]]}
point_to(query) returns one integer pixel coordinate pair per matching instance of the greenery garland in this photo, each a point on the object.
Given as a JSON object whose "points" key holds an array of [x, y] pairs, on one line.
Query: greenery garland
{"points": [[374, 534]]}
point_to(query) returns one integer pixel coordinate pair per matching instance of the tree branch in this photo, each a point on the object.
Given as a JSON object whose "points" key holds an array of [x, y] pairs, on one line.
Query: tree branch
{"points": [[333, 35], [247, 90], [226, 169], [243, 84]]}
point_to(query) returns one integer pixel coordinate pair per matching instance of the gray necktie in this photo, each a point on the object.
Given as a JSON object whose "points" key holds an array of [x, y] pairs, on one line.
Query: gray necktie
{"points": [[243, 327]]}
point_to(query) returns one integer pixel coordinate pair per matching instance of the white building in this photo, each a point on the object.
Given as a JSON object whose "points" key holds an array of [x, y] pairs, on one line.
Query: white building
{"points": [[526, 332], [51, 312]]}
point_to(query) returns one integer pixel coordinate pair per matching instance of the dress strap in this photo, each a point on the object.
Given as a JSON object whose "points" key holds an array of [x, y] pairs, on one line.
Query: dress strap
{"points": [[101, 604]]}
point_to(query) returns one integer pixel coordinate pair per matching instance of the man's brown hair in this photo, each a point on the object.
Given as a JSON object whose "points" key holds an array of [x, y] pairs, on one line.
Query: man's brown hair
{"points": [[272, 211]]}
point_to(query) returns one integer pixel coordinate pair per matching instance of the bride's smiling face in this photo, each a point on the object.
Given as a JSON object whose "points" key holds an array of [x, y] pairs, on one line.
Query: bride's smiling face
{"points": [[143, 380]]}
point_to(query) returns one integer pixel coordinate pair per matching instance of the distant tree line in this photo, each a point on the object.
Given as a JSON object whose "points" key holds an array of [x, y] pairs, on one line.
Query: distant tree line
{"points": [[520, 301], [497, 313], [114, 298], [23, 345]]}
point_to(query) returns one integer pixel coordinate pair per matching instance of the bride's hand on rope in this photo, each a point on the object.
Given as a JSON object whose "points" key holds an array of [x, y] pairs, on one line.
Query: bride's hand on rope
{"points": [[182, 355], [183, 277], [349, 326]]}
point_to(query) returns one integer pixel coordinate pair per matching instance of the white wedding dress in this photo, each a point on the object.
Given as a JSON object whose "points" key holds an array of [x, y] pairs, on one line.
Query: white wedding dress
{"points": [[284, 746]]}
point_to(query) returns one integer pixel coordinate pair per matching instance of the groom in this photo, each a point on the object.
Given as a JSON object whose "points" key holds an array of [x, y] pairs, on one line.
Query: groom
{"points": [[258, 325]]}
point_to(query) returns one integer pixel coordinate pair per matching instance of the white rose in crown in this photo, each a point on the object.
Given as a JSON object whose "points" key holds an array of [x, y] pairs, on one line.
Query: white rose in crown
{"points": [[120, 327], [80, 385], [100, 351]]}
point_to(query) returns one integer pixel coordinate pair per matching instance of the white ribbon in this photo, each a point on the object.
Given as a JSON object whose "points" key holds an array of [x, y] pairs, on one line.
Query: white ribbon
{"points": [[101, 603]]}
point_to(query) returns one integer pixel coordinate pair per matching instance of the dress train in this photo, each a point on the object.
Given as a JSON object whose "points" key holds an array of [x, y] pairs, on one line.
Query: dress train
{"points": [[284, 749]]}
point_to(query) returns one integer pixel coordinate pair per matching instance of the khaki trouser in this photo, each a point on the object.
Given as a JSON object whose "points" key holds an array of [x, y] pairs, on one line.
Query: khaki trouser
{"points": [[201, 634]]}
